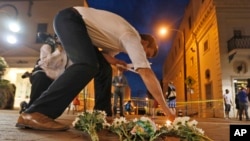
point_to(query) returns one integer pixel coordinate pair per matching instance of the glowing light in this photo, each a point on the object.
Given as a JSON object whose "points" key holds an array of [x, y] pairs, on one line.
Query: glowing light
{"points": [[163, 31], [14, 27], [168, 123], [11, 39]]}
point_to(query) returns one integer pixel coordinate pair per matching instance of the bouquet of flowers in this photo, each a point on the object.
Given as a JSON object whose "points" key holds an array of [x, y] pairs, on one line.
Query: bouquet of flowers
{"points": [[90, 122], [185, 129], [137, 130], [143, 129]]}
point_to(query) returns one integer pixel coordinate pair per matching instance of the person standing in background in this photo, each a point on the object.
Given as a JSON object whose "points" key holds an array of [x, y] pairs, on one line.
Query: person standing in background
{"points": [[243, 103], [119, 83], [171, 99], [227, 102], [248, 88]]}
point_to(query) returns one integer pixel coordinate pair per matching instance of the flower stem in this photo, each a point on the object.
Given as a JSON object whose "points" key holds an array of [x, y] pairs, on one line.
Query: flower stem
{"points": [[93, 135], [204, 137]]}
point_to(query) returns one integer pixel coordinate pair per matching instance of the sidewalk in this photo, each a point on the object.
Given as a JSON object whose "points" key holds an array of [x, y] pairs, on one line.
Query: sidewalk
{"points": [[215, 128]]}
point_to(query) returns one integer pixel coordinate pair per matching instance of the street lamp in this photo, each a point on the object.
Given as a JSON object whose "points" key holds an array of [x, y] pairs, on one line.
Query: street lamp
{"points": [[184, 61], [14, 27]]}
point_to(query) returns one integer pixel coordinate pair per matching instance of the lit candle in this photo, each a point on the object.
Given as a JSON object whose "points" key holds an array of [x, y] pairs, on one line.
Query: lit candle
{"points": [[168, 123]]}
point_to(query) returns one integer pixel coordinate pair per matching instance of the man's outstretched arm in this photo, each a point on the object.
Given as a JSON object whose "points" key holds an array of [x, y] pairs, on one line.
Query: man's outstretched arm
{"points": [[155, 89]]}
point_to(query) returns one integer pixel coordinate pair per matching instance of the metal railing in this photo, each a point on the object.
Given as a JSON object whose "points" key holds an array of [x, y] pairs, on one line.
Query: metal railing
{"points": [[238, 42]]}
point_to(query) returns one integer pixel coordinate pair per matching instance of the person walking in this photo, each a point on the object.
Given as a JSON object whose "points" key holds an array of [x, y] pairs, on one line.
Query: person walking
{"points": [[227, 102], [119, 83], [171, 96], [243, 103], [91, 43]]}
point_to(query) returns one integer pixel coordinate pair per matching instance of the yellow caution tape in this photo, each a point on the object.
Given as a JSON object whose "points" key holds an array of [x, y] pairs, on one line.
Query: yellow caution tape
{"points": [[200, 101]]}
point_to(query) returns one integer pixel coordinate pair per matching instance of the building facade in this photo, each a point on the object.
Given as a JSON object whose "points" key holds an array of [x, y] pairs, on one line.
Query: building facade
{"points": [[210, 53]]}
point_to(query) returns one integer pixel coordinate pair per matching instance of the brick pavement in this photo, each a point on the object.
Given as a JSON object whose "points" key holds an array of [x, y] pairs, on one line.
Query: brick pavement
{"points": [[215, 128]]}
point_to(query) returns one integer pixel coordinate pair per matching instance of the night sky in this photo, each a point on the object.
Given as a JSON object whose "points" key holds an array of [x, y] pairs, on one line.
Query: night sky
{"points": [[145, 16]]}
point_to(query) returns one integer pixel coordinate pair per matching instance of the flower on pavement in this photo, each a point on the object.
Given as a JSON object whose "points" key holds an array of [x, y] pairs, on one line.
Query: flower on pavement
{"points": [[142, 129]]}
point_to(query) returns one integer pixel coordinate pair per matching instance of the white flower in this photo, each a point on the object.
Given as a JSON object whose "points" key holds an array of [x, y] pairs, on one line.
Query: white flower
{"points": [[176, 127], [106, 125], [181, 120], [75, 121], [144, 118], [135, 120], [119, 121], [89, 111], [103, 113], [200, 131], [192, 123]]}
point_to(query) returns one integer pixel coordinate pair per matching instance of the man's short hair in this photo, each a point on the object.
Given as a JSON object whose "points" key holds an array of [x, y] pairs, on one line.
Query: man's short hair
{"points": [[152, 42]]}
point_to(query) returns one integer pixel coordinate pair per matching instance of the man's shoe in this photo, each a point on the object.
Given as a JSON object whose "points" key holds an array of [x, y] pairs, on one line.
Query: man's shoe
{"points": [[40, 122]]}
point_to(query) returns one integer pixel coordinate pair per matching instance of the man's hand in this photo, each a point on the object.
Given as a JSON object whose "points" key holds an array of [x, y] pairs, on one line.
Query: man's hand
{"points": [[114, 61], [171, 116]]}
